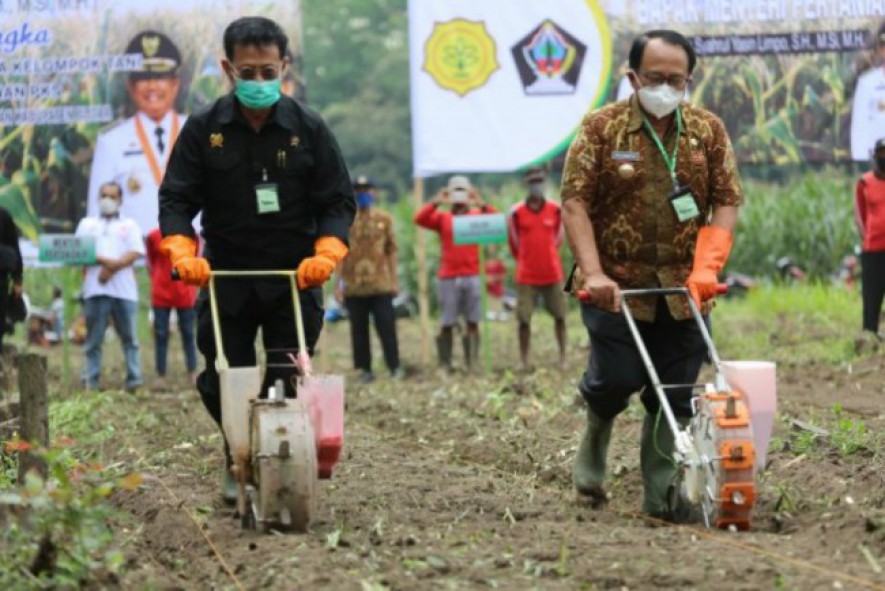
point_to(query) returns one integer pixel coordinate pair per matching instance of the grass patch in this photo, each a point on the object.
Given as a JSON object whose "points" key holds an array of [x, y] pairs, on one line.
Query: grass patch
{"points": [[830, 432], [75, 417], [800, 324]]}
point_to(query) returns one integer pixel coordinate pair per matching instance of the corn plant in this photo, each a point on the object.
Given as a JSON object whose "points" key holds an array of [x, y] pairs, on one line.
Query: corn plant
{"points": [[809, 220]]}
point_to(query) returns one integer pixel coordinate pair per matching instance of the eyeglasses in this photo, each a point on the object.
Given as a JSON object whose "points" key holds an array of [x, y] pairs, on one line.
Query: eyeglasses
{"points": [[677, 81], [262, 72]]}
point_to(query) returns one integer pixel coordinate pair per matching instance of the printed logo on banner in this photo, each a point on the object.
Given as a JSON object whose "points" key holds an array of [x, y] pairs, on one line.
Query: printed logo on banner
{"points": [[460, 55], [549, 60]]}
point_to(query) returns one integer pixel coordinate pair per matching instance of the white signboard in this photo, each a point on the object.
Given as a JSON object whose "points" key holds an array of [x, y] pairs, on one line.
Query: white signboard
{"points": [[498, 85]]}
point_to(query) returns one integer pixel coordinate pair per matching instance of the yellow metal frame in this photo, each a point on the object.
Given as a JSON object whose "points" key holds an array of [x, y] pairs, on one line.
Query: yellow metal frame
{"points": [[221, 359]]}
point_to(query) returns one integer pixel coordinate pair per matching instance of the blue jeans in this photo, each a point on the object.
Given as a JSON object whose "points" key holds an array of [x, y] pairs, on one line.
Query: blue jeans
{"points": [[97, 311], [187, 321]]}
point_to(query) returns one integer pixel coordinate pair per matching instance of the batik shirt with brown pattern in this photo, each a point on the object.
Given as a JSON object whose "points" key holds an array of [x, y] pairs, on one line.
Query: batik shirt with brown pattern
{"points": [[640, 241], [367, 268]]}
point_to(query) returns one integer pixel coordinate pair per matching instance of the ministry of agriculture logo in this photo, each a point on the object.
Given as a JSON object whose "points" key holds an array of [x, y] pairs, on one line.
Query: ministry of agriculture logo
{"points": [[460, 55], [549, 60]]}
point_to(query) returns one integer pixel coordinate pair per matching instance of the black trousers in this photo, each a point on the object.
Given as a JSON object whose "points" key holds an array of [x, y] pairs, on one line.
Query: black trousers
{"points": [[239, 327], [380, 307], [872, 275], [615, 370]]}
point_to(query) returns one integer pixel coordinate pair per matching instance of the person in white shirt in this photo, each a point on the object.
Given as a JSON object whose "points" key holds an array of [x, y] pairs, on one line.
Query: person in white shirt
{"points": [[109, 287], [868, 109], [133, 152]]}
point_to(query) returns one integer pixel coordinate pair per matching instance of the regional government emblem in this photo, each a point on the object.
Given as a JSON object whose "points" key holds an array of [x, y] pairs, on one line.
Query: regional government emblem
{"points": [[460, 55], [549, 60]]}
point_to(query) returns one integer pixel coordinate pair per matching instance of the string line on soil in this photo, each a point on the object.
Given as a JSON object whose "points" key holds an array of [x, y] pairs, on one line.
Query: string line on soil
{"points": [[179, 503], [775, 556]]}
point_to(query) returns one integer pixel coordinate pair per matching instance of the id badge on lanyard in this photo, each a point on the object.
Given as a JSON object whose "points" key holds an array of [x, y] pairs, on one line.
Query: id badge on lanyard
{"points": [[681, 199], [684, 205], [267, 196]]}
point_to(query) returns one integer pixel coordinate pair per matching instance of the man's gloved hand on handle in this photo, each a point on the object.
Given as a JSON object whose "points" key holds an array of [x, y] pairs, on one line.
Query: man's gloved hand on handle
{"points": [[316, 270], [182, 251], [710, 254]]}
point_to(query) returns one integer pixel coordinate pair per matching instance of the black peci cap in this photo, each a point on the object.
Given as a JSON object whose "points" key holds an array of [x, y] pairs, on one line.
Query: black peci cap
{"points": [[160, 57], [534, 175]]}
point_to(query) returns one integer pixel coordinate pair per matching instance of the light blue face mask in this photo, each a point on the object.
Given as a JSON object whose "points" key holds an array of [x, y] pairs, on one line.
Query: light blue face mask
{"points": [[257, 94]]}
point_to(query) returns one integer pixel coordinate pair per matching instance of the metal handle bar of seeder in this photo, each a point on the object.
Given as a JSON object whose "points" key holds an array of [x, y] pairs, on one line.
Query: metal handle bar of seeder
{"points": [[221, 359], [719, 382]]}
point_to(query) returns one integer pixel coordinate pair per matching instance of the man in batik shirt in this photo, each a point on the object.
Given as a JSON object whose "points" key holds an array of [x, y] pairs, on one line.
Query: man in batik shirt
{"points": [[650, 198]]}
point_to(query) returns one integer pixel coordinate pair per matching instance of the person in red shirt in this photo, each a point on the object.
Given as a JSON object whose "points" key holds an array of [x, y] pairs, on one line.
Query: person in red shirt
{"points": [[869, 206], [168, 295], [458, 279], [535, 234]]}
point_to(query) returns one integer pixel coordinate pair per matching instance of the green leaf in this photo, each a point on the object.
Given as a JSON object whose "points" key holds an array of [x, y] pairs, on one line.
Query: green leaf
{"points": [[14, 199]]}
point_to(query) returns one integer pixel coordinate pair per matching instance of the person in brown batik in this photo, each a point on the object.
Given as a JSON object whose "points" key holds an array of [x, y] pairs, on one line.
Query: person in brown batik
{"points": [[650, 196], [368, 282]]}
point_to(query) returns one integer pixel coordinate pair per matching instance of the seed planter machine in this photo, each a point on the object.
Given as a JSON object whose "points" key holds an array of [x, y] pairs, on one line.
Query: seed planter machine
{"points": [[722, 449], [279, 446]]}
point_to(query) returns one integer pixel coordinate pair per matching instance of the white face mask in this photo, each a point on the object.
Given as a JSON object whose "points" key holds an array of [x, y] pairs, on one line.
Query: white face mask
{"points": [[536, 189], [108, 206], [660, 100], [458, 197]]}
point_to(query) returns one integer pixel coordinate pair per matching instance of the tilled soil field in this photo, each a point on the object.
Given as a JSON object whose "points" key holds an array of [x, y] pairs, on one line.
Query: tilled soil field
{"points": [[463, 482]]}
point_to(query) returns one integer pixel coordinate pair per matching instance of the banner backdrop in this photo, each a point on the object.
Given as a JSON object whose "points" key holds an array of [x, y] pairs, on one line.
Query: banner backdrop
{"points": [[84, 85], [498, 84]]}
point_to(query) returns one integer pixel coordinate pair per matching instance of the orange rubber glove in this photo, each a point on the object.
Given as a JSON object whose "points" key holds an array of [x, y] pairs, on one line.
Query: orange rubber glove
{"points": [[710, 254], [316, 270], [182, 251]]}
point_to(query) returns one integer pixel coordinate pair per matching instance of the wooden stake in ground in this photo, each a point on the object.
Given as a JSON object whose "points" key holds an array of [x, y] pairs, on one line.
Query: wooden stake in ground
{"points": [[33, 392], [421, 263]]}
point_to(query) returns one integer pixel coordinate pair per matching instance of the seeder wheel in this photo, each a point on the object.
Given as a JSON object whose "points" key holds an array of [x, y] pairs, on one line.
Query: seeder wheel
{"points": [[723, 481], [299, 499], [284, 467]]}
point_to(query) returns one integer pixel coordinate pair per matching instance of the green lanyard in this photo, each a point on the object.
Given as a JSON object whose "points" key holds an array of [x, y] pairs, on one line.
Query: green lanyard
{"points": [[670, 161]]}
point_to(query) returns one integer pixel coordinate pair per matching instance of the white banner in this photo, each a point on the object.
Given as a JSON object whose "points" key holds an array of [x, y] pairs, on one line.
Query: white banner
{"points": [[497, 84]]}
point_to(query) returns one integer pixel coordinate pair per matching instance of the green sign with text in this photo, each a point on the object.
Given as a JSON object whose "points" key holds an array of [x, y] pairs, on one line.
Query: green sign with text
{"points": [[67, 249], [487, 228]]}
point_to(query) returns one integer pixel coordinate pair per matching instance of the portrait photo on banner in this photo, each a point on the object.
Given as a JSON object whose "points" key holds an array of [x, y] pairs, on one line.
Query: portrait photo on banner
{"points": [[97, 91]]}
